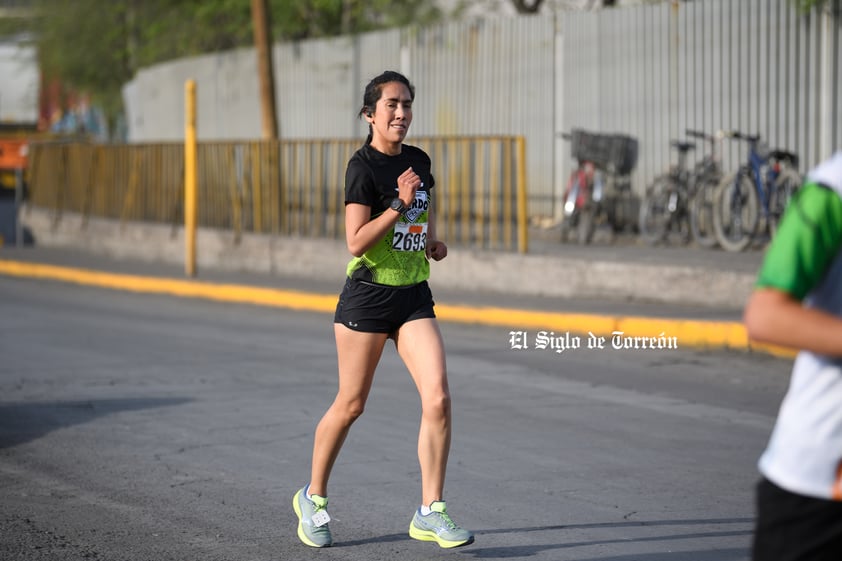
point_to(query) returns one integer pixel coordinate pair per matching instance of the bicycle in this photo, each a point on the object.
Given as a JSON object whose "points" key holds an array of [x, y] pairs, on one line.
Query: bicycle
{"points": [[760, 188], [583, 194], [664, 210], [675, 202], [598, 190], [707, 173]]}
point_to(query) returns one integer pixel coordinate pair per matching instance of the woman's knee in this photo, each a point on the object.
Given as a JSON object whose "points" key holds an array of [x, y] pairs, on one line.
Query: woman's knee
{"points": [[437, 407], [349, 411]]}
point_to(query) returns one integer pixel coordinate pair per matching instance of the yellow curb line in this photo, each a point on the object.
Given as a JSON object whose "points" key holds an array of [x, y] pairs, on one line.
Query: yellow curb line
{"points": [[291, 299], [687, 333]]}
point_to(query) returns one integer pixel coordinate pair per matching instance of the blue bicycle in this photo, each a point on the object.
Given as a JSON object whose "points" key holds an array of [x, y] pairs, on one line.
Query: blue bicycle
{"points": [[754, 195]]}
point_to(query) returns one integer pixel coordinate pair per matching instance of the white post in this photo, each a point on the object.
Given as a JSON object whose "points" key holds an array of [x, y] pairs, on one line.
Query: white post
{"points": [[825, 82]]}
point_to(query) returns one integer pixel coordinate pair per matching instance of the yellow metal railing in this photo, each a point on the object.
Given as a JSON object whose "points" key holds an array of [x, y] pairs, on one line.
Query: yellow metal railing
{"points": [[288, 187]]}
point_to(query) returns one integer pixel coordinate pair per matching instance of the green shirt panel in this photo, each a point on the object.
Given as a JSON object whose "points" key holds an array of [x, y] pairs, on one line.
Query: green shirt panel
{"points": [[806, 243], [403, 265]]}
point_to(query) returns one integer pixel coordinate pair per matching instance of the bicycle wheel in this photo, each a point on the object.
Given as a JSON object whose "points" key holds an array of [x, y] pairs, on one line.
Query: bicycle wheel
{"points": [[654, 216], [786, 184], [701, 213], [570, 217], [587, 224], [735, 212], [679, 226], [566, 226]]}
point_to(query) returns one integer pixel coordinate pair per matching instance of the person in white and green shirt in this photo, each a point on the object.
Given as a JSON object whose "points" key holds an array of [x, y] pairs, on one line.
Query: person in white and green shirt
{"points": [[797, 303]]}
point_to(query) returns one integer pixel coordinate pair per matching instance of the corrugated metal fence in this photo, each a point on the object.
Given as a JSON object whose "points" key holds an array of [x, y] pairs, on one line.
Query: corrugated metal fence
{"points": [[756, 66], [649, 71]]}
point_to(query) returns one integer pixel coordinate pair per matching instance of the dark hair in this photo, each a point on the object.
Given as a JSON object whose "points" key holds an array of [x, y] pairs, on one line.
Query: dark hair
{"points": [[374, 90]]}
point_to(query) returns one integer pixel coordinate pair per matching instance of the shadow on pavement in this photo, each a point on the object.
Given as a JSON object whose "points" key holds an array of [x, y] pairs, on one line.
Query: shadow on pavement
{"points": [[520, 551], [24, 422], [528, 550]]}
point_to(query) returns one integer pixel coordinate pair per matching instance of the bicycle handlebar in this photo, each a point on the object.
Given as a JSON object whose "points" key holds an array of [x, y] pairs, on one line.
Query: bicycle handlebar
{"points": [[709, 137], [698, 134], [741, 136]]}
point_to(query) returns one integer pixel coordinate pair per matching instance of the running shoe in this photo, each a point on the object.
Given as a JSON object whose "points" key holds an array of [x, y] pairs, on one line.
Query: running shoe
{"points": [[313, 519], [438, 527]]}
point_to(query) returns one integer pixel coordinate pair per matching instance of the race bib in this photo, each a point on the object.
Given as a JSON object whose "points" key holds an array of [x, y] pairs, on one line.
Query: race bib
{"points": [[409, 237]]}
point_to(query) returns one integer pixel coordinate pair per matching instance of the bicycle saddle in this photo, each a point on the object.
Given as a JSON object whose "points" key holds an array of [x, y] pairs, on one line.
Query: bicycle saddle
{"points": [[682, 146], [784, 156]]}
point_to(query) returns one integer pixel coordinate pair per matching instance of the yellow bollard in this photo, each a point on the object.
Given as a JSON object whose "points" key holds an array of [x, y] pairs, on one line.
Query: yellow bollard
{"points": [[190, 173], [522, 215]]}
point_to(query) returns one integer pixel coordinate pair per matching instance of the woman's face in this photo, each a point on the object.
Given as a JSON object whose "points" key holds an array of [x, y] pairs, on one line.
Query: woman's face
{"points": [[392, 117]]}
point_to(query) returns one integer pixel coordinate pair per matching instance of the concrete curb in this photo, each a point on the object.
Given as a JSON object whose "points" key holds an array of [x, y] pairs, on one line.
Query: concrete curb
{"points": [[472, 270]]}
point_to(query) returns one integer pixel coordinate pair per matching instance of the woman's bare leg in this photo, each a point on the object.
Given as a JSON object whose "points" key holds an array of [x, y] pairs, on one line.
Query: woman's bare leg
{"points": [[421, 347], [357, 354]]}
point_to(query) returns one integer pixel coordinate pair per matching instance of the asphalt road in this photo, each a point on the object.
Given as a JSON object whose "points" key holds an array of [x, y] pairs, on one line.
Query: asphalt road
{"points": [[147, 427]]}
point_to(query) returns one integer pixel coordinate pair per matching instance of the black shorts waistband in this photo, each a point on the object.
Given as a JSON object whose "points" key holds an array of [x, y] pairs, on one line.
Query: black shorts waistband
{"points": [[378, 285]]}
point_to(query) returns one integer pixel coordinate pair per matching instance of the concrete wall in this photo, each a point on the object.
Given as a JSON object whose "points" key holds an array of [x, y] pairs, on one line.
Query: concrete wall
{"points": [[19, 82], [465, 269]]}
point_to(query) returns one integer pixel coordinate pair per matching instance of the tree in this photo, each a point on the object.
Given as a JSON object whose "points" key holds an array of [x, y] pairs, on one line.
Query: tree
{"points": [[98, 45], [83, 44], [807, 5], [325, 18]]}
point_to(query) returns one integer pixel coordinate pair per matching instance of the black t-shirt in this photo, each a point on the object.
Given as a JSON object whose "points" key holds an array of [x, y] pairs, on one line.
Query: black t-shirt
{"points": [[372, 180], [372, 177]]}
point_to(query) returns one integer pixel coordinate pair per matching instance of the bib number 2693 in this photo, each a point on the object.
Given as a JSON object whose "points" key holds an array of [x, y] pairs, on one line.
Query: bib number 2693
{"points": [[409, 237]]}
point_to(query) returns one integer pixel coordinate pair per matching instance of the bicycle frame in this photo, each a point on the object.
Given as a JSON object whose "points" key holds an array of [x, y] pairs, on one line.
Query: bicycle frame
{"points": [[704, 178], [762, 168], [595, 195], [709, 165], [763, 173], [585, 184], [664, 209], [755, 194]]}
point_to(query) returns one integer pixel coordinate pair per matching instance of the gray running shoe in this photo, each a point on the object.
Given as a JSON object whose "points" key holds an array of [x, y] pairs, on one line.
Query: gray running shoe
{"points": [[438, 527], [312, 514]]}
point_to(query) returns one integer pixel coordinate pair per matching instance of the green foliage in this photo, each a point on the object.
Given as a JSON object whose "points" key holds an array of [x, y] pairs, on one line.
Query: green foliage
{"points": [[167, 29], [98, 45], [322, 18], [83, 43], [10, 27], [806, 5]]}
